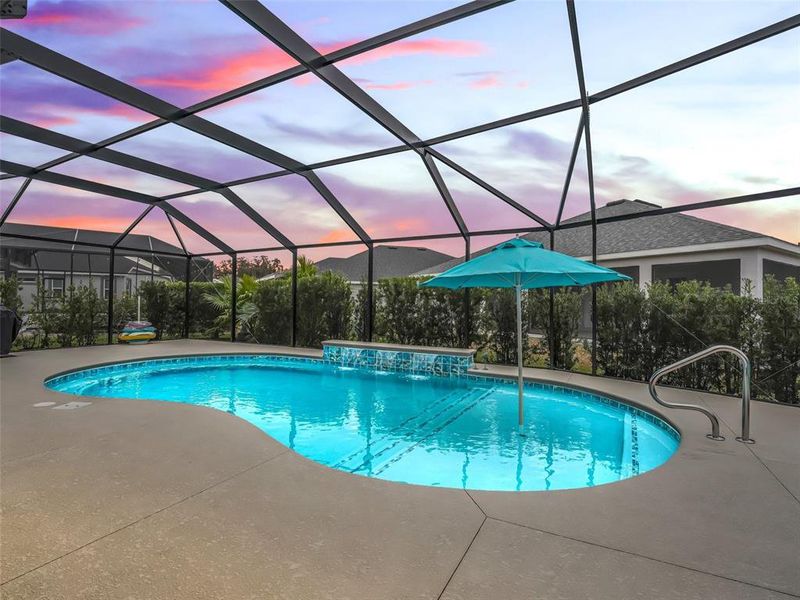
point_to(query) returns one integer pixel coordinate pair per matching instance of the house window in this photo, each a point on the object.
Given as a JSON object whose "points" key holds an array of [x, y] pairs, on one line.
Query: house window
{"points": [[55, 285], [105, 288], [780, 270], [632, 272], [718, 273], [128, 286]]}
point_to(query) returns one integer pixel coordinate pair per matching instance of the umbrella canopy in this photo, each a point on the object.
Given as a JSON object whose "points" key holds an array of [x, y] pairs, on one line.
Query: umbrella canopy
{"points": [[521, 264], [524, 263]]}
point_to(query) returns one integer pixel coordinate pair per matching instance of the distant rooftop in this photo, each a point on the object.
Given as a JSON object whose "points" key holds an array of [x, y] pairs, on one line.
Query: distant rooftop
{"points": [[57, 256], [633, 235], [390, 261], [135, 241]]}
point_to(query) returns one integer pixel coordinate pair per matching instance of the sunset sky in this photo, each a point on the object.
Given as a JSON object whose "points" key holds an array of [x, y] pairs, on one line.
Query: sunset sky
{"points": [[726, 128]]}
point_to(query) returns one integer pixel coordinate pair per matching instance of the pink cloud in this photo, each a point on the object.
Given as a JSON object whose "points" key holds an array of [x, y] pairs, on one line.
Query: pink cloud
{"points": [[228, 73], [236, 70], [336, 235], [431, 46], [488, 81], [49, 115], [78, 17]]}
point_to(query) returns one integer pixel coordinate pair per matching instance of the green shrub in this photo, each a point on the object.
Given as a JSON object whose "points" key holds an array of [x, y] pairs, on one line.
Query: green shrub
{"points": [[324, 308], [124, 311], [621, 327], [44, 314], [408, 314], [202, 315], [9, 293], [640, 332], [567, 306], [80, 316], [156, 300], [499, 322], [273, 302], [780, 369]]}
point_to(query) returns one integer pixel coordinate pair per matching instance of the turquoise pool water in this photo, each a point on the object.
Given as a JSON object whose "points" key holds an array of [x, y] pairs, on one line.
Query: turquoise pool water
{"points": [[456, 432]]}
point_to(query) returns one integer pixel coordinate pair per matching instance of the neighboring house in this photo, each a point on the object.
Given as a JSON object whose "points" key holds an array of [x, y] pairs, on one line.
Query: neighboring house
{"points": [[389, 261], [61, 265], [671, 247]]}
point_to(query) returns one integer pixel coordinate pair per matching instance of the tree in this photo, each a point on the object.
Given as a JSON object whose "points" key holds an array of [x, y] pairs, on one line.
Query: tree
{"points": [[305, 267], [257, 267], [220, 299]]}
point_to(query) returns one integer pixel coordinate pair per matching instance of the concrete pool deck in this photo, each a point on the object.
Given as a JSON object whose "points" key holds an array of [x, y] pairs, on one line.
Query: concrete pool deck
{"points": [[142, 499]]}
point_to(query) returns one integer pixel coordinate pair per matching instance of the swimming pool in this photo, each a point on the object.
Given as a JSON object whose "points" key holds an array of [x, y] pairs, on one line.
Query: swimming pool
{"points": [[456, 432]]}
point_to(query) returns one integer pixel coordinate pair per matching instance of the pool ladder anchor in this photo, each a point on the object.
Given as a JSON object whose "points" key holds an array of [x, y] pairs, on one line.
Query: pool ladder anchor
{"points": [[746, 374]]}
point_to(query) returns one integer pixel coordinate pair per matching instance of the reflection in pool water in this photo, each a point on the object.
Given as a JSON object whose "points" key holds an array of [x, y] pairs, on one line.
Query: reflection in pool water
{"points": [[451, 432]]}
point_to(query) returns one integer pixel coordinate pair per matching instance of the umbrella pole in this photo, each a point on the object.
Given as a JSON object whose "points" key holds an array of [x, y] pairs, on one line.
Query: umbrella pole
{"points": [[518, 290]]}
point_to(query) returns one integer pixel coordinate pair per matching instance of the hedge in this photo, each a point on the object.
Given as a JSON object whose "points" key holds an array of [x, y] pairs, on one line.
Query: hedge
{"points": [[638, 331]]}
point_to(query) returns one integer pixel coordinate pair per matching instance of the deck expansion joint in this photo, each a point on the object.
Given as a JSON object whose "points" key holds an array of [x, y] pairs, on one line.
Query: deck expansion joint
{"points": [[643, 556], [463, 556]]}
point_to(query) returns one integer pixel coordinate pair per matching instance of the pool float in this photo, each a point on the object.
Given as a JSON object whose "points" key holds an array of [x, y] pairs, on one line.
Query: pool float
{"points": [[137, 332]]}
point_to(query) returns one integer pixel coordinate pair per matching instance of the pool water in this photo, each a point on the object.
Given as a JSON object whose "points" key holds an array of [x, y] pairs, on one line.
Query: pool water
{"points": [[458, 432]]}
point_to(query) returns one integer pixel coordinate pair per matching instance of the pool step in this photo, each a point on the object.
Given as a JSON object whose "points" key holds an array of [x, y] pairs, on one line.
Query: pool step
{"points": [[353, 459], [436, 416]]}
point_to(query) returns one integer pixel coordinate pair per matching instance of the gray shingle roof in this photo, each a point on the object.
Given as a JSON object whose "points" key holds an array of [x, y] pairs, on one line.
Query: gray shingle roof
{"points": [[390, 261], [633, 235], [78, 236], [55, 256]]}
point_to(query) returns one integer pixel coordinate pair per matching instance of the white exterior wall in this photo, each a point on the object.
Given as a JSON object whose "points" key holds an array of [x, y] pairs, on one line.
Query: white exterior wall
{"points": [[97, 281], [751, 260]]}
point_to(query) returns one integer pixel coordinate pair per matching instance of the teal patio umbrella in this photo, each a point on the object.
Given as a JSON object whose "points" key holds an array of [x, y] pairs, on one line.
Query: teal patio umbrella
{"points": [[523, 265]]}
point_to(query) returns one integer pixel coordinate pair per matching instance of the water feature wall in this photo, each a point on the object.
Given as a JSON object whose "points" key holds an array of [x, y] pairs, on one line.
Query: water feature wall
{"points": [[412, 360]]}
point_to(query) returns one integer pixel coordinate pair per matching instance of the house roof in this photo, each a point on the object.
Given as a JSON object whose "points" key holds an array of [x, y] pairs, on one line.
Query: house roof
{"points": [[134, 241], [633, 235], [390, 261], [58, 256]]}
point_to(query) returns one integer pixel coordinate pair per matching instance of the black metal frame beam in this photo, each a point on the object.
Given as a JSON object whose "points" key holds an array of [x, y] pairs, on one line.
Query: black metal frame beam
{"points": [[133, 225], [110, 316], [701, 57], [443, 18], [417, 27], [283, 36], [234, 294], [15, 47], [81, 245], [570, 168], [730, 201], [62, 66], [667, 210], [187, 299], [334, 203], [109, 190], [576, 49], [177, 234], [489, 188], [15, 200]]}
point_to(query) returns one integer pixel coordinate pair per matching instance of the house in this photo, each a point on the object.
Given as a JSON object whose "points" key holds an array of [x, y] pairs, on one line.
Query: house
{"points": [[61, 265], [671, 247], [389, 261]]}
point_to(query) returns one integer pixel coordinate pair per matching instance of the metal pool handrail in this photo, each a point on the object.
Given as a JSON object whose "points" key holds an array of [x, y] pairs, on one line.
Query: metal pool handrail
{"points": [[746, 374]]}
